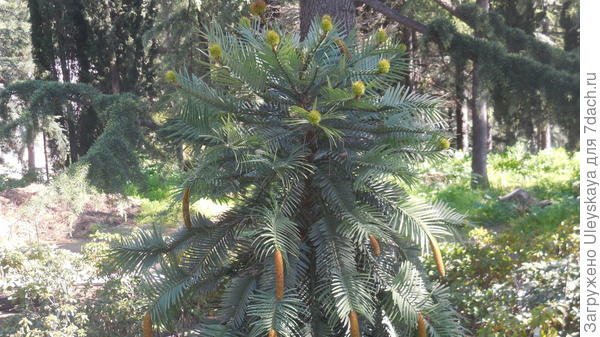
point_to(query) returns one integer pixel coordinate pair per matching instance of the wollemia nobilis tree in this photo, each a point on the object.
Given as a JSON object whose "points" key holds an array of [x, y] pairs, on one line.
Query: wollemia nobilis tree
{"points": [[314, 144]]}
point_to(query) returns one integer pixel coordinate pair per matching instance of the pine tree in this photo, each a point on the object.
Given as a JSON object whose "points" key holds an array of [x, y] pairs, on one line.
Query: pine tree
{"points": [[315, 145]]}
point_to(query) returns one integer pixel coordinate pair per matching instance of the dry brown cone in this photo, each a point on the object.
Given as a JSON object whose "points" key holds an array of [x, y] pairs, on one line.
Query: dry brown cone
{"points": [[258, 7], [147, 325], [421, 326], [354, 328], [185, 208], [437, 255], [272, 333], [375, 245], [342, 46], [279, 276]]}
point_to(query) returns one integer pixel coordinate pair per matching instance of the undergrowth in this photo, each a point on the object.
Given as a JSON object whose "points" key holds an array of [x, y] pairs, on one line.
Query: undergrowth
{"points": [[515, 272]]}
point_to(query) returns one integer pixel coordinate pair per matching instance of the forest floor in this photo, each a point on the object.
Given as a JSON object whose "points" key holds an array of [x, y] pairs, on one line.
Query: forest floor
{"points": [[57, 223]]}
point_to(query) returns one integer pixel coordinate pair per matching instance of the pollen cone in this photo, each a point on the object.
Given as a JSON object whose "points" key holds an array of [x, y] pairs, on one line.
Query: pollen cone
{"points": [[279, 277]]}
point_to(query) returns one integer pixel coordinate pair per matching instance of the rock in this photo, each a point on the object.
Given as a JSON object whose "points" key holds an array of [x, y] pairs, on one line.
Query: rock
{"points": [[524, 200]]}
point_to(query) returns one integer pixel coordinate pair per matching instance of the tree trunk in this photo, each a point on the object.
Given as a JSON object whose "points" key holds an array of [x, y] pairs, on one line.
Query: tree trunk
{"points": [[480, 133], [480, 123], [545, 127], [46, 157], [545, 136], [413, 61], [115, 83], [31, 156], [407, 41], [342, 11], [461, 110], [72, 137]]}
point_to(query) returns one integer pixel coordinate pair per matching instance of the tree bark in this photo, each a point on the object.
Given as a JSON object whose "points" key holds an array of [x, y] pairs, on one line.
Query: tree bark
{"points": [[548, 136], [31, 156], [73, 140], [414, 61], [447, 5], [115, 83], [480, 133], [393, 14], [479, 178], [46, 157], [342, 11], [545, 136], [461, 110]]}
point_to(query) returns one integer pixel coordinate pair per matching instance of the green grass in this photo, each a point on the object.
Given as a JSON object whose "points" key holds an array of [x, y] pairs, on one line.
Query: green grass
{"points": [[159, 194], [549, 175], [158, 182]]}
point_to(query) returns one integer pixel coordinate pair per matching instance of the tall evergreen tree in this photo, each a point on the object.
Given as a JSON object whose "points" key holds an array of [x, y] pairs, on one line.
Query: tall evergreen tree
{"points": [[315, 145], [30, 107], [97, 43], [15, 46], [16, 64], [531, 83]]}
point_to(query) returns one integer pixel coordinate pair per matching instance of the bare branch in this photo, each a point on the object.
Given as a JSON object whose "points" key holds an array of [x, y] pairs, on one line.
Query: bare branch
{"points": [[447, 5], [394, 15]]}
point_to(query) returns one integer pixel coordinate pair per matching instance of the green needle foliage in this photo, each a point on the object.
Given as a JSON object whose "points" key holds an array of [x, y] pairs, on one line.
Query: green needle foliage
{"points": [[315, 146], [31, 107]]}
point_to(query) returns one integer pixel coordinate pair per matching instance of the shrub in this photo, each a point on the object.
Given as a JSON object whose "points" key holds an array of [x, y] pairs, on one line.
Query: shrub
{"points": [[64, 294], [69, 191], [46, 287], [117, 306], [505, 287], [516, 274]]}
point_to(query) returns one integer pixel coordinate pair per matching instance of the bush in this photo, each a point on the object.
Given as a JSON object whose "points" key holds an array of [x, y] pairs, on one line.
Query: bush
{"points": [[69, 191], [505, 287], [117, 307], [516, 273], [46, 287], [157, 181], [63, 294]]}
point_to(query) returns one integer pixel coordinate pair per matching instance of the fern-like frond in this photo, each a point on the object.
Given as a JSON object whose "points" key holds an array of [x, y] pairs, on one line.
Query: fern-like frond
{"points": [[141, 250], [421, 221], [405, 296], [281, 316], [236, 298], [276, 232], [213, 330]]}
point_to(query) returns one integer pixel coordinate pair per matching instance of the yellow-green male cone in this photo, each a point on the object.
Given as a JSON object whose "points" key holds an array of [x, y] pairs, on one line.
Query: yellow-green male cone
{"points": [[381, 36], [245, 21], [215, 51], [358, 88], [170, 76], [272, 38], [383, 66], [314, 117], [444, 144], [326, 23]]}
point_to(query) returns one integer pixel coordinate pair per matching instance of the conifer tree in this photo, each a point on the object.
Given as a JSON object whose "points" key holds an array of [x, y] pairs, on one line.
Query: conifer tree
{"points": [[314, 144]]}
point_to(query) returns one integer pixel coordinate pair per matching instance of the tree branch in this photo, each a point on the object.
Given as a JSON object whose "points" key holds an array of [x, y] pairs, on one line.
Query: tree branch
{"points": [[447, 5], [394, 15]]}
